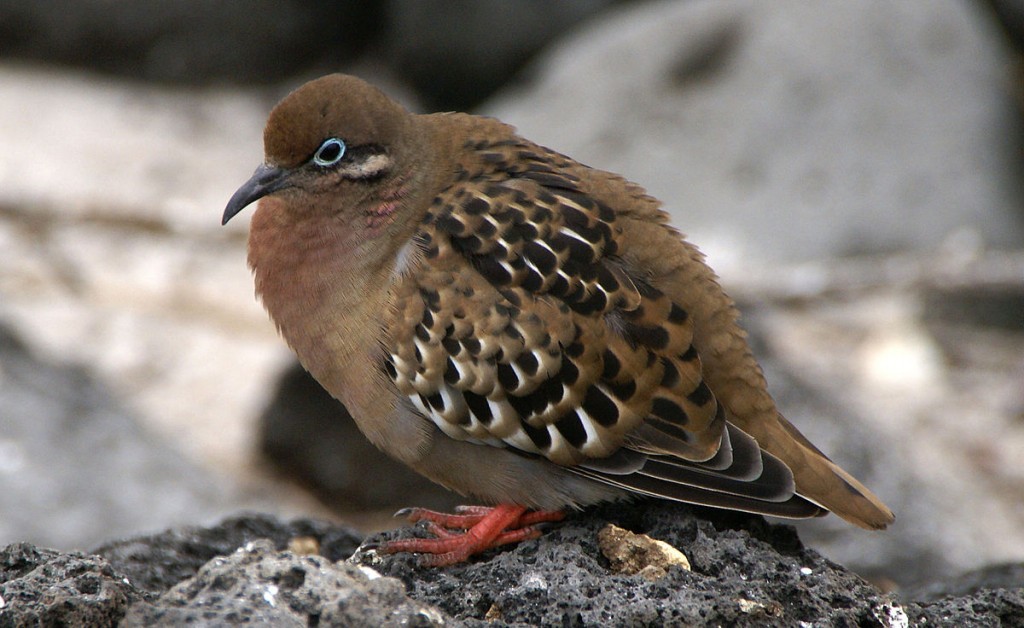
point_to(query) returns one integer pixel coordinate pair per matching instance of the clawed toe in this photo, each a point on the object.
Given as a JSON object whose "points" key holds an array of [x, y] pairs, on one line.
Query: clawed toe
{"points": [[479, 528]]}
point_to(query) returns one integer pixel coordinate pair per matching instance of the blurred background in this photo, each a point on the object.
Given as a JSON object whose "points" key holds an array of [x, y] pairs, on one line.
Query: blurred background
{"points": [[852, 170]]}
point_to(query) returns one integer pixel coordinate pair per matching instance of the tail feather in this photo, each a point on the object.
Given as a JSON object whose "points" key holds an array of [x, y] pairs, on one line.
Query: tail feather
{"points": [[822, 481]]}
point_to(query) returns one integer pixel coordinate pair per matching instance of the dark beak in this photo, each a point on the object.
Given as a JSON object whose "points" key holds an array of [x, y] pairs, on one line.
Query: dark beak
{"points": [[266, 180]]}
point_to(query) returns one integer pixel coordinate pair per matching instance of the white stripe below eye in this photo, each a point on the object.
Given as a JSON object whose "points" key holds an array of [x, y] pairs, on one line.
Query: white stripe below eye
{"points": [[369, 167]]}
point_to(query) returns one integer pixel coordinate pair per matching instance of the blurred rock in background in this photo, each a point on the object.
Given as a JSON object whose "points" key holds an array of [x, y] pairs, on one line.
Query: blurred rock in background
{"points": [[852, 169], [789, 131], [191, 43]]}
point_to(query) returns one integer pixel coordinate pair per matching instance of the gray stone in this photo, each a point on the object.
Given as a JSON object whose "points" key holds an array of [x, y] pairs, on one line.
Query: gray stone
{"points": [[114, 260], [257, 584], [791, 130], [76, 468], [745, 572], [155, 563], [457, 53], [189, 42], [1008, 576], [41, 587], [910, 551]]}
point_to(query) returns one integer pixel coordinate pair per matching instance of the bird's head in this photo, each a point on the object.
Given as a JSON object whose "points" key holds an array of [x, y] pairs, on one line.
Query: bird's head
{"points": [[336, 147]]}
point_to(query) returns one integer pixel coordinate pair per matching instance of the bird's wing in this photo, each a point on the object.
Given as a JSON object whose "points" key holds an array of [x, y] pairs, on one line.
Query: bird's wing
{"points": [[521, 330]]}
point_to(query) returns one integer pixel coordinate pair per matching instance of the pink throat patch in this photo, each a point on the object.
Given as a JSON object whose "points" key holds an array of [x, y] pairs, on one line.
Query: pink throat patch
{"points": [[384, 213]]}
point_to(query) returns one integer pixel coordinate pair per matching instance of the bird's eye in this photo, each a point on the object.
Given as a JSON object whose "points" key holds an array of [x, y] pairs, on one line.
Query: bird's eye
{"points": [[329, 153]]}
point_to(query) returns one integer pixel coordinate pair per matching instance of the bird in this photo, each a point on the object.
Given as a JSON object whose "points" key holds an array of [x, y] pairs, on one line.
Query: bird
{"points": [[516, 326]]}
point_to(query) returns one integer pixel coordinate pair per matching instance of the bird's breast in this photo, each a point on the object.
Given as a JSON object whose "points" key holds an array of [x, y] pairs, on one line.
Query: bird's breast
{"points": [[325, 302]]}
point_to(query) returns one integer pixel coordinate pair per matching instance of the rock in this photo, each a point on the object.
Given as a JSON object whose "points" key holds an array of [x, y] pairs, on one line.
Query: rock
{"points": [[453, 54], [157, 562], [1011, 15], [180, 41], [792, 130], [744, 573], [874, 371], [259, 585], [77, 468], [40, 587], [987, 607], [119, 263], [456, 54], [999, 576], [563, 577], [629, 553]]}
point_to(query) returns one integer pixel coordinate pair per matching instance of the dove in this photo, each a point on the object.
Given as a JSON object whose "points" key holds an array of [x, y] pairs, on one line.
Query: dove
{"points": [[514, 325]]}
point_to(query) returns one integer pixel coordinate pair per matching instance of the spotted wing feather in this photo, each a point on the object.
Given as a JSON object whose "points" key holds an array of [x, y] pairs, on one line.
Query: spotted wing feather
{"points": [[523, 330]]}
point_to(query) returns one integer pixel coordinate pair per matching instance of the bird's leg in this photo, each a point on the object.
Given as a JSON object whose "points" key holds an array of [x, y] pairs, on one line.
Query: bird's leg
{"points": [[484, 528]]}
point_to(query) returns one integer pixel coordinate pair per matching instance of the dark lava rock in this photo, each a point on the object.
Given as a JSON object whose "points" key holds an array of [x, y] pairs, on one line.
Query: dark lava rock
{"points": [[259, 585], [158, 562], [41, 587], [987, 607], [995, 593], [745, 572]]}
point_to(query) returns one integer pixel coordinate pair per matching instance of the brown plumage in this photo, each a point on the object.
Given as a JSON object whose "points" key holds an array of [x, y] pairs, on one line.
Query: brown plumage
{"points": [[512, 324]]}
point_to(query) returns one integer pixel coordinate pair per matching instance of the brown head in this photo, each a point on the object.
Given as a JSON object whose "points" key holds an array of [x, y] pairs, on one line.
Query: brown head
{"points": [[335, 148]]}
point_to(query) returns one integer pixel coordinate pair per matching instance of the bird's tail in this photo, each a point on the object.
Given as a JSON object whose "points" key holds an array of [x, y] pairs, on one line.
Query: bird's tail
{"points": [[822, 481]]}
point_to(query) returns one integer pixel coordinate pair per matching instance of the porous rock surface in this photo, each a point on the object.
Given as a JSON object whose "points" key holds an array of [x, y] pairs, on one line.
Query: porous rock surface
{"points": [[745, 572]]}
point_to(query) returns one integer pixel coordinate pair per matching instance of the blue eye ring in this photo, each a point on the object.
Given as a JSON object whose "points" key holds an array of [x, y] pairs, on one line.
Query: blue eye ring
{"points": [[329, 153]]}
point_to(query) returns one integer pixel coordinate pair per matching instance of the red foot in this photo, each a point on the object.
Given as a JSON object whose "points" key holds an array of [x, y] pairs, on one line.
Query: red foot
{"points": [[484, 528]]}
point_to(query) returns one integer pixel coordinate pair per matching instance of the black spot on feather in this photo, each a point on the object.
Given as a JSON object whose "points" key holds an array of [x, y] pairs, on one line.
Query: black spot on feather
{"points": [[539, 435], [528, 363], [476, 206], [600, 407], [669, 411], [479, 407], [451, 345], [571, 428], [701, 395], [676, 314], [451, 372], [507, 377], [612, 365], [623, 391]]}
